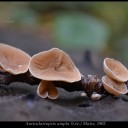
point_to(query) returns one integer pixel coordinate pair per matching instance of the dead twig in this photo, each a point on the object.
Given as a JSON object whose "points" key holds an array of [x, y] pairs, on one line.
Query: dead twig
{"points": [[88, 84]]}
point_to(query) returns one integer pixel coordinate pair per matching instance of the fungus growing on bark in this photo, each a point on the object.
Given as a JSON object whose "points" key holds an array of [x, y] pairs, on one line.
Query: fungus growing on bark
{"points": [[53, 65], [13, 60], [114, 87], [47, 89], [115, 70]]}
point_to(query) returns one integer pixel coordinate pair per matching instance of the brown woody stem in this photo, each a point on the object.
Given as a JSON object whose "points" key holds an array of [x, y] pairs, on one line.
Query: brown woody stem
{"points": [[89, 84]]}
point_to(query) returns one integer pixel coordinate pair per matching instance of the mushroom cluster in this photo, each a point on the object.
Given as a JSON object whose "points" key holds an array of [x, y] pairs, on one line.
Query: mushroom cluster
{"points": [[48, 66], [13, 60], [53, 65], [56, 65], [116, 76]]}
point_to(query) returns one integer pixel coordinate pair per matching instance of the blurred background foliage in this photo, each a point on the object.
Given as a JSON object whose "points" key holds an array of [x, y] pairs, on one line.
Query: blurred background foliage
{"points": [[96, 26]]}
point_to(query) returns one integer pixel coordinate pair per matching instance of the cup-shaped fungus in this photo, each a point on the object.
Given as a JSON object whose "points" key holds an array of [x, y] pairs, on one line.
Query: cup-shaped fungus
{"points": [[13, 60], [47, 89], [114, 87], [115, 70], [53, 65]]}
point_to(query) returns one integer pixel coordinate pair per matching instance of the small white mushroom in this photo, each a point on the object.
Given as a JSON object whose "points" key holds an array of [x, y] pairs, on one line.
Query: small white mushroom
{"points": [[115, 70], [13, 60], [83, 94], [96, 96]]}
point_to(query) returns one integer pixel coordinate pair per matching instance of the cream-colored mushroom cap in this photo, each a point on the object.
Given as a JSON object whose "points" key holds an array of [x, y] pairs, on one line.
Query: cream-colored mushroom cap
{"points": [[54, 65], [114, 87], [115, 70], [13, 60], [47, 89]]}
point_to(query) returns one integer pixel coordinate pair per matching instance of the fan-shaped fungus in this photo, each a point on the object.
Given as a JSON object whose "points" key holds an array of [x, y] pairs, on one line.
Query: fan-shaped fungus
{"points": [[53, 65], [13, 60]]}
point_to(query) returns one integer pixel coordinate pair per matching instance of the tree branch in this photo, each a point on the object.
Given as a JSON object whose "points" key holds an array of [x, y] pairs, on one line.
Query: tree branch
{"points": [[88, 84]]}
